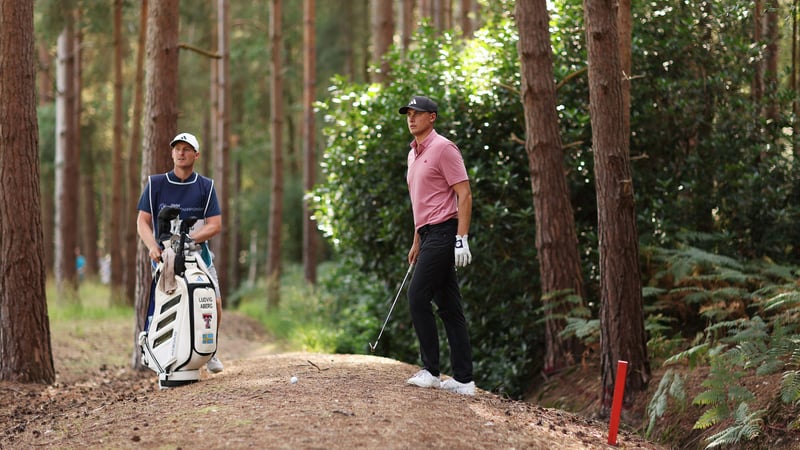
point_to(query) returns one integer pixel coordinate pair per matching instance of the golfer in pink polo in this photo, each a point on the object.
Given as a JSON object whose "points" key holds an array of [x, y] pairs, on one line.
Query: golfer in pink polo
{"points": [[441, 201]]}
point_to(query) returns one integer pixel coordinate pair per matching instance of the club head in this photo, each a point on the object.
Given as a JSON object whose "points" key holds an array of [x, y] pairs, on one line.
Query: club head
{"points": [[372, 346]]}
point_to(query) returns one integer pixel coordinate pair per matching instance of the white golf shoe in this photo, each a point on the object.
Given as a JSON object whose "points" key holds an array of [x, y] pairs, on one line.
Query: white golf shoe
{"points": [[424, 379], [459, 388], [214, 365]]}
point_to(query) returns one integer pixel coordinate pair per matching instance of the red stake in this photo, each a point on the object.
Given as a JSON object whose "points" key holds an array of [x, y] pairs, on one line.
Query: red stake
{"points": [[616, 406]]}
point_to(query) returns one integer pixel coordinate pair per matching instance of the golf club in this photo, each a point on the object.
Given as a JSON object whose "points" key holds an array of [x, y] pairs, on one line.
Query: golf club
{"points": [[371, 345]]}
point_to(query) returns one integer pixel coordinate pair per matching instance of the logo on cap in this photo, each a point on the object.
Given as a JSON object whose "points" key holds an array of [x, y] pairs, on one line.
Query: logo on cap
{"points": [[420, 103], [188, 138]]}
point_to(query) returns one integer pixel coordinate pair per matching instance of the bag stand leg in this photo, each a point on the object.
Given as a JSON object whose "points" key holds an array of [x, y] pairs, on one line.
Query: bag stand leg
{"points": [[178, 378]]}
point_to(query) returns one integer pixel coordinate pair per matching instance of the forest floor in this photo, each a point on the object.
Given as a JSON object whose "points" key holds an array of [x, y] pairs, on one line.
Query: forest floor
{"points": [[338, 401]]}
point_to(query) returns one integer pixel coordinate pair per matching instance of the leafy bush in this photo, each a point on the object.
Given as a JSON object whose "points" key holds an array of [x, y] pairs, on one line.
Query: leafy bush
{"points": [[706, 172], [365, 210]]}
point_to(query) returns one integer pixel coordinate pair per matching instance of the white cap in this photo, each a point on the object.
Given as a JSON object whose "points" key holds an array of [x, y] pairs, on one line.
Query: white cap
{"points": [[188, 138]]}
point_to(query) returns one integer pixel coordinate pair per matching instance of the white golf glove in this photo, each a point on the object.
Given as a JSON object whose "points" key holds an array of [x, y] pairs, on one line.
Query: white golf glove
{"points": [[463, 256]]}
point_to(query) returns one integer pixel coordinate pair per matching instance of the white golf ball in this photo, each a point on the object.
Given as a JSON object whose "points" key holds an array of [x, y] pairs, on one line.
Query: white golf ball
{"points": [[293, 380]]}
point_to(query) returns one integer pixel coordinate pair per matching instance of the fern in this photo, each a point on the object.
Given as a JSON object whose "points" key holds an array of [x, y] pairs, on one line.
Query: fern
{"points": [[671, 385], [786, 299], [753, 329], [692, 355], [650, 292], [783, 345], [780, 273], [554, 303], [747, 426], [739, 394], [790, 386], [587, 331], [712, 416]]}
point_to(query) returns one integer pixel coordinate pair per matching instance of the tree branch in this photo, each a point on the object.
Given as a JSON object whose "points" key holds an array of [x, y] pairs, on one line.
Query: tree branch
{"points": [[199, 50]]}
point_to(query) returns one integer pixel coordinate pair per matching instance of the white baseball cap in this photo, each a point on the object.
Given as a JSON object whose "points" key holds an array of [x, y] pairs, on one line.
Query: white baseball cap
{"points": [[188, 138]]}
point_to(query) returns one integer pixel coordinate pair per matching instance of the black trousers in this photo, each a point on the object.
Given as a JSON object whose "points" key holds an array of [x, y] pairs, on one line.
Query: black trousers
{"points": [[435, 280]]}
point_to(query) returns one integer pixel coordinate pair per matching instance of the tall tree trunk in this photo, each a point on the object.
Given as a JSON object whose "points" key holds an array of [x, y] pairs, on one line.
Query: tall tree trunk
{"points": [[426, 9], [622, 335], [47, 189], [771, 63], [407, 23], [625, 22], [309, 141], [446, 14], [161, 114], [89, 220], [214, 111], [556, 239], [382, 35], [757, 87], [25, 348], [114, 240], [88, 217], [795, 103], [350, 44], [276, 188], [135, 176], [235, 220], [45, 76], [66, 167], [222, 156], [364, 21], [252, 270], [466, 21]]}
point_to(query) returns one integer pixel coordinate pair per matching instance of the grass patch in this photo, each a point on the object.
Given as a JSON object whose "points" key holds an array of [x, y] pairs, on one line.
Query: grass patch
{"points": [[299, 321], [93, 302]]}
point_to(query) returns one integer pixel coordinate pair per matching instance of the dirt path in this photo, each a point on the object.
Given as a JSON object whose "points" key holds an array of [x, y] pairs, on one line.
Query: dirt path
{"points": [[338, 401]]}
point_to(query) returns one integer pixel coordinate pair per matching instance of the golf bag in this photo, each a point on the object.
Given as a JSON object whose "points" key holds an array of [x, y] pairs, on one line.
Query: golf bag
{"points": [[180, 332]]}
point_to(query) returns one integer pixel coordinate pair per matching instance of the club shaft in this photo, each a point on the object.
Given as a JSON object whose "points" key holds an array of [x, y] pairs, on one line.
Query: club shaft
{"points": [[402, 285]]}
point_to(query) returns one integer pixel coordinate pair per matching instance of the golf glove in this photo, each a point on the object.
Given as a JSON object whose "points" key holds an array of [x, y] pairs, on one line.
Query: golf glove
{"points": [[463, 256]]}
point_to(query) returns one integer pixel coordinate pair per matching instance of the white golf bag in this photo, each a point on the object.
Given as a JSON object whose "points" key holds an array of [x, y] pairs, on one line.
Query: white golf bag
{"points": [[180, 333]]}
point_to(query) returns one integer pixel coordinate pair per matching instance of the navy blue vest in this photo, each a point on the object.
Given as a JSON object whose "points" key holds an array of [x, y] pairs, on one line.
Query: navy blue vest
{"points": [[195, 197]]}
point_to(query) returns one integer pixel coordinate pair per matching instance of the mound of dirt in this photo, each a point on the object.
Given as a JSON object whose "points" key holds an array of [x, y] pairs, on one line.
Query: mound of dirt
{"points": [[337, 401]]}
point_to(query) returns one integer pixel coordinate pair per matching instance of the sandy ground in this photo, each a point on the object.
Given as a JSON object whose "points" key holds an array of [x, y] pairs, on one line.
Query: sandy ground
{"points": [[338, 401]]}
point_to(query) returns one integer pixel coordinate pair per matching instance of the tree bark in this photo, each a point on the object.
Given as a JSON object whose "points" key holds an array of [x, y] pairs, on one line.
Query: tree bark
{"points": [[466, 20], [556, 238], [276, 188], [66, 196], [622, 335], [135, 178], [793, 81], [407, 23], [47, 189], [87, 220], [757, 88], [222, 155], [25, 347], [625, 22], [161, 120], [383, 35], [771, 83], [115, 244], [309, 140]]}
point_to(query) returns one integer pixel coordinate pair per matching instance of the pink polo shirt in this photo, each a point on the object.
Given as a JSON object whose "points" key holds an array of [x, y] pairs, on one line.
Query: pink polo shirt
{"points": [[433, 167]]}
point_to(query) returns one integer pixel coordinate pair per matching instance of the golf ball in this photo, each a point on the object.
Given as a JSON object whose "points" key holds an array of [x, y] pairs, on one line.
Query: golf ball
{"points": [[293, 380]]}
